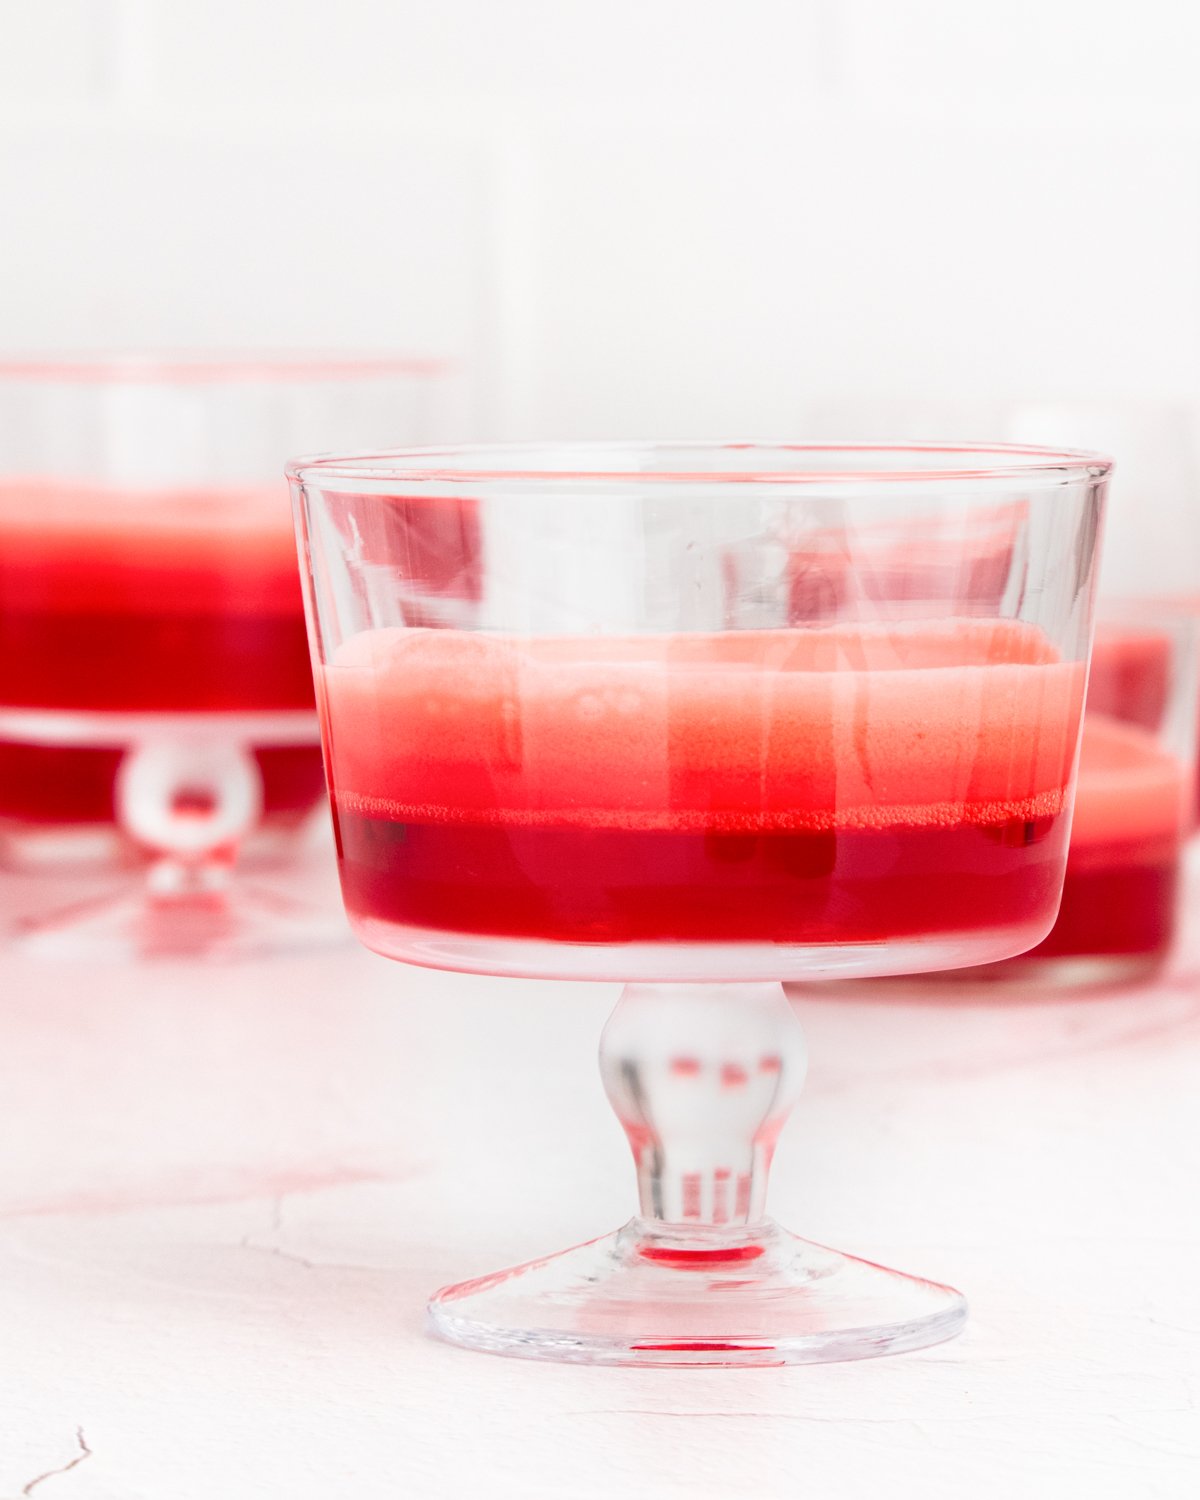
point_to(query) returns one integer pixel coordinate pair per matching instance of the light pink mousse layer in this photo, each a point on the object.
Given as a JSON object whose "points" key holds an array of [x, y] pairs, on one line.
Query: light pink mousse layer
{"points": [[1130, 789], [78, 548], [802, 729]]}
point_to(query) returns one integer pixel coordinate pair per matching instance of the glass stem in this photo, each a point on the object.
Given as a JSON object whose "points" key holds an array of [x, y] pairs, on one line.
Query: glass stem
{"points": [[702, 1078], [189, 804]]}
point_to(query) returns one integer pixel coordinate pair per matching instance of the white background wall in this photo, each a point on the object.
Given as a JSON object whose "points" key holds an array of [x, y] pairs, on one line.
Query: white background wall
{"points": [[632, 217]]}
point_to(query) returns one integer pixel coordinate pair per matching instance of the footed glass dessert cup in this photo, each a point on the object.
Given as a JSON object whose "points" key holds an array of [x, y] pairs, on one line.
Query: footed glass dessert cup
{"points": [[1134, 806], [156, 704], [705, 719]]}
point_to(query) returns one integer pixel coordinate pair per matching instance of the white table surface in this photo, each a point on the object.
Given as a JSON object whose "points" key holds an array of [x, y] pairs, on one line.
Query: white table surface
{"points": [[225, 1191]]}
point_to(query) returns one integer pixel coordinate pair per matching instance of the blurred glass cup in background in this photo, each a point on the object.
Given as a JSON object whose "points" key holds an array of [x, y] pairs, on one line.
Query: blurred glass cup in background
{"points": [[1134, 805], [1137, 790], [156, 700]]}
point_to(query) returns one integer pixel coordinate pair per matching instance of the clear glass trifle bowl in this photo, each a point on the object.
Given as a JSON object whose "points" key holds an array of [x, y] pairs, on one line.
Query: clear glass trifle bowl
{"points": [[679, 727]]}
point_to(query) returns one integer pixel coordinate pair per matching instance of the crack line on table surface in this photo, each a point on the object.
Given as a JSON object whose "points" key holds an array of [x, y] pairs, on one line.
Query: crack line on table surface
{"points": [[1191, 1329], [309, 1265], [84, 1453], [246, 1243]]}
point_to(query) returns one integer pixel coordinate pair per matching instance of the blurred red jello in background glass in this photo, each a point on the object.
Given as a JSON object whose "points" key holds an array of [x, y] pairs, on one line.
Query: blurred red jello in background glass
{"points": [[163, 601], [148, 573], [1181, 607], [1134, 804], [902, 565], [1137, 787], [1132, 671]]}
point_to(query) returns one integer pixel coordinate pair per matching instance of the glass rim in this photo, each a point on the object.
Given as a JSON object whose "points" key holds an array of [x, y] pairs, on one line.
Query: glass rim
{"points": [[485, 463], [201, 367]]}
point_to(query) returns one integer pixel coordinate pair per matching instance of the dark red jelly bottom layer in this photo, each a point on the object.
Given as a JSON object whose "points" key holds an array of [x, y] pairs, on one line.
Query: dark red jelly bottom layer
{"points": [[629, 886], [1124, 909], [61, 785], [154, 663]]}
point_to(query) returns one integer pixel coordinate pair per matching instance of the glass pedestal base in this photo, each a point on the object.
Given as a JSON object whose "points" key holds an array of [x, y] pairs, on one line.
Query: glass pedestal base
{"points": [[244, 922], [656, 1295]]}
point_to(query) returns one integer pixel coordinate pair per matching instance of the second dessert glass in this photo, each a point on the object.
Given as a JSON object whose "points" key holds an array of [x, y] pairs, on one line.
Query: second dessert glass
{"points": [[156, 702], [1134, 808], [636, 749]]}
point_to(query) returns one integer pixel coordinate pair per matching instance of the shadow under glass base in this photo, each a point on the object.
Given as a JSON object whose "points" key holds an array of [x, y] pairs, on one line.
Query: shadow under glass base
{"points": [[243, 922], [652, 1295]]}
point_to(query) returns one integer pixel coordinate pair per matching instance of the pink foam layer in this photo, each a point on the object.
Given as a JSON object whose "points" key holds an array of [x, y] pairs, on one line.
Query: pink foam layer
{"points": [[684, 820], [973, 721], [1130, 789]]}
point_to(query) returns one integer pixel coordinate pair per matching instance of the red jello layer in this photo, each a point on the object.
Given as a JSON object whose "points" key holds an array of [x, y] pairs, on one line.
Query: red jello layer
{"points": [[154, 663], [1131, 813], [629, 886], [1131, 674], [161, 600], [153, 601], [62, 784], [1125, 907]]}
